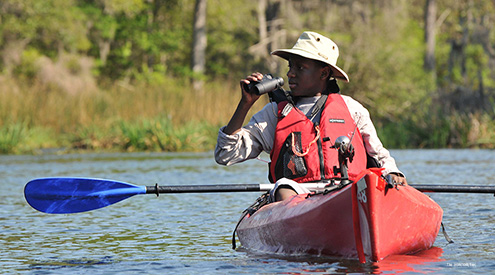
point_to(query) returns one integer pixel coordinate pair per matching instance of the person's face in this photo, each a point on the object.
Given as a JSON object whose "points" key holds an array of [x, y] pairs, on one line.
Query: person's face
{"points": [[306, 76]]}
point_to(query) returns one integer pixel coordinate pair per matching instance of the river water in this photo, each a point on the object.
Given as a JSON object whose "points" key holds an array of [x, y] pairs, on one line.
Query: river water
{"points": [[191, 233]]}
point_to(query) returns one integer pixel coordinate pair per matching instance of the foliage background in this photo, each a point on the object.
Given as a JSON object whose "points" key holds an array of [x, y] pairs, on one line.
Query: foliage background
{"points": [[116, 74]]}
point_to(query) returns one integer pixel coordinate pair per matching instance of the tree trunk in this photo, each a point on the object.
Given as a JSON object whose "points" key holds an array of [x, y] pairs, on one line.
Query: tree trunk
{"points": [[104, 47], [430, 35], [198, 59], [262, 20]]}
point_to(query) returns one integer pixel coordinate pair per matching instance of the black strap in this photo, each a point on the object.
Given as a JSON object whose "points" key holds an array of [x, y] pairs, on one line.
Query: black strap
{"points": [[332, 88], [318, 106], [449, 240], [260, 202], [280, 95], [235, 229]]}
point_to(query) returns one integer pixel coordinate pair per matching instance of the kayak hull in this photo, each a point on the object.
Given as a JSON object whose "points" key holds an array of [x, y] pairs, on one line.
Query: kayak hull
{"points": [[365, 220]]}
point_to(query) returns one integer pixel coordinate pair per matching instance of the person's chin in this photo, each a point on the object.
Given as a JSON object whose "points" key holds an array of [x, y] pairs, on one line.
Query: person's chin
{"points": [[294, 92], [298, 94]]}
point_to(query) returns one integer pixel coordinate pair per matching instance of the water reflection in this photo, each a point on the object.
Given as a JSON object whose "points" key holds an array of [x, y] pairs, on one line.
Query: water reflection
{"points": [[417, 263], [420, 262]]}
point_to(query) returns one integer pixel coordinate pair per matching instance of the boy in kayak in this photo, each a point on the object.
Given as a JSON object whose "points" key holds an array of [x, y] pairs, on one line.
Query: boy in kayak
{"points": [[299, 133]]}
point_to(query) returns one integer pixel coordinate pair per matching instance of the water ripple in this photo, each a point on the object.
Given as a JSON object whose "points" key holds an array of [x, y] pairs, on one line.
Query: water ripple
{"points": [[191, 233]]}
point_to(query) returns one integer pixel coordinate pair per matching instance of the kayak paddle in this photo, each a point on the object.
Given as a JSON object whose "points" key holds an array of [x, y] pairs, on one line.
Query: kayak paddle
{"points": [[72, 195], [441, 188]]}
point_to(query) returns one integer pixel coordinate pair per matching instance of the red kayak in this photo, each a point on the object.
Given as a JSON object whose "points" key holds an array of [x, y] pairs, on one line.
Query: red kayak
{"points": [[365, 220]]}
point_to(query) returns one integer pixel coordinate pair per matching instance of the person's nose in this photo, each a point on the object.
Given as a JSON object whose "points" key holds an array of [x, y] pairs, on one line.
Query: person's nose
{"points": [[290, 73]]}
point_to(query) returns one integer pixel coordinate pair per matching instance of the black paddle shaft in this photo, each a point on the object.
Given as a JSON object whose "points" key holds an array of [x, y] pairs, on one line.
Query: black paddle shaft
{"points": [[454, 188], [157, 189], [202, 188]]}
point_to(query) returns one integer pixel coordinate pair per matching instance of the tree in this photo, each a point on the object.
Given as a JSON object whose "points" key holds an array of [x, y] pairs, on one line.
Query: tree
{"points": [[49, 27], [430, 35], [198, 59]]}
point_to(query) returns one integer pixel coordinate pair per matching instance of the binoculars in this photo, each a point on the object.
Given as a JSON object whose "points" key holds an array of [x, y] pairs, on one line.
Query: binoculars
{"points": [[267, 84]]}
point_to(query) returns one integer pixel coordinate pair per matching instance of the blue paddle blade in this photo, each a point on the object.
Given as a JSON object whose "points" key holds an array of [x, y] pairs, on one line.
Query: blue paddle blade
{"points": [[73, 195]]}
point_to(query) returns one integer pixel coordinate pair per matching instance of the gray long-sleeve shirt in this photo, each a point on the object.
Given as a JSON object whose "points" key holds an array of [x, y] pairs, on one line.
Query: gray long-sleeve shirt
{"points": [[258, 135]]}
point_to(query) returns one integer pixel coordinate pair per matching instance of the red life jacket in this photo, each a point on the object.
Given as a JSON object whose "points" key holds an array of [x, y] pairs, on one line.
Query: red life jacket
{"points": [[302, 149]]}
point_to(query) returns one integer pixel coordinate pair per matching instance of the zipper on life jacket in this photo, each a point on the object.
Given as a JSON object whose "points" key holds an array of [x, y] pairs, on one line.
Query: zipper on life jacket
{"points": [[320, 153]]}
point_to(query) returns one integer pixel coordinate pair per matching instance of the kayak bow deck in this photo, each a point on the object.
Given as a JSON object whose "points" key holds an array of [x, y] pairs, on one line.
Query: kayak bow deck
{"points": [[365, 220]]}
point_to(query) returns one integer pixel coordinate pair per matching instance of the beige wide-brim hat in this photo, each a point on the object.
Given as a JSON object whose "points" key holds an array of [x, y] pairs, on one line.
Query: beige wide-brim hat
{"points": [[317, 47]]}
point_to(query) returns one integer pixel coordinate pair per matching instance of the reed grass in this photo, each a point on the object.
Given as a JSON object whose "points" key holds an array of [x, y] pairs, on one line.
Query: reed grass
{"points": [[437, 130], [170, 116], [124, 117], [11, 136]]}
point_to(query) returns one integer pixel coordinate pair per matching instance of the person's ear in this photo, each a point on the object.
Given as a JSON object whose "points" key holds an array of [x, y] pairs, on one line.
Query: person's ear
{"points": [[325, 73]]}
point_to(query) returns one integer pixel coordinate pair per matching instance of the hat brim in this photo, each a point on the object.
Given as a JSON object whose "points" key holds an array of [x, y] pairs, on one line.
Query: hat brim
{"points": [[286, 53]]}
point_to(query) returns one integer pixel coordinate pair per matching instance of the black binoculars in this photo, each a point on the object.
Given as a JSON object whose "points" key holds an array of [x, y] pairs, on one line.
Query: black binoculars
{"points": [[267, 84]]}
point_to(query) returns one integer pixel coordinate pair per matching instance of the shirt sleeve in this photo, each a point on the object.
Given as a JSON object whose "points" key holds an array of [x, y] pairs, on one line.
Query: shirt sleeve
{"points": [[253, 138], [372, 142]]}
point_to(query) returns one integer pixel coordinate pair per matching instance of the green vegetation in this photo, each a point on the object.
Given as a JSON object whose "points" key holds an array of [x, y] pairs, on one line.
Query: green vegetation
{"points": [[123, 118], [11, 136], [116, 74]]}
